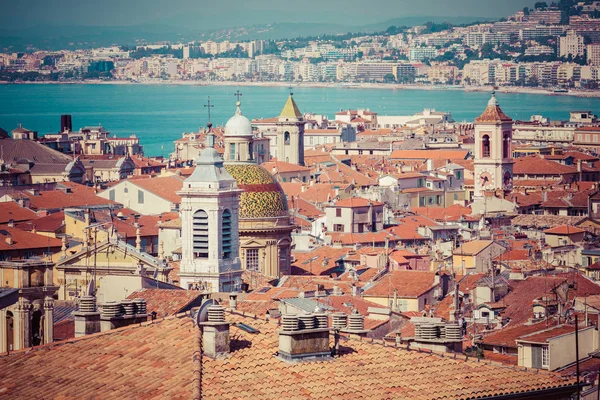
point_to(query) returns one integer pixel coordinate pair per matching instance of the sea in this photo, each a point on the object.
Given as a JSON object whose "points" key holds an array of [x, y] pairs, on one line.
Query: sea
{"points": [[160, 114]]}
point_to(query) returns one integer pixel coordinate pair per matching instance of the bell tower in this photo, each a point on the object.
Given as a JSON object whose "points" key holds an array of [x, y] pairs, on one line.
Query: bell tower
{"points": [[290, 133], [493, 152], [209, 225]]}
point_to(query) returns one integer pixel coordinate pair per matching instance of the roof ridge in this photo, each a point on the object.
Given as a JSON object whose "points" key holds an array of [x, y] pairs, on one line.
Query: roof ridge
{"points": [[93, 335]]}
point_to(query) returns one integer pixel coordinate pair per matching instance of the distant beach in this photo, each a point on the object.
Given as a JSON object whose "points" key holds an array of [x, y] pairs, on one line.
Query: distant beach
{"points": [[390, 86]]}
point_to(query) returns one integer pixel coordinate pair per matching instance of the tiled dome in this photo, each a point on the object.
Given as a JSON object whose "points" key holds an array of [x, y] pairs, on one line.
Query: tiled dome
{"points": [[262, 196]]}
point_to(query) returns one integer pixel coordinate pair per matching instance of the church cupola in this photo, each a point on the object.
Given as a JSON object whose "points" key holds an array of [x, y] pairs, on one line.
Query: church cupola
{"points": [[239, 138], [290, 133], [209, 226], [493, 150]]}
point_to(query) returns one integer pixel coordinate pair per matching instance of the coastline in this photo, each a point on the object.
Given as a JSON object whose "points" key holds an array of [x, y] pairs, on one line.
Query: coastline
{"points": [[389, 86]]}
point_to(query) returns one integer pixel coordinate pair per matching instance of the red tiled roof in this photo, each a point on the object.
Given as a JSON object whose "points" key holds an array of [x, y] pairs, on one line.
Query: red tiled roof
{"points": [[150, 361], [11, 210], [49, 223], [320, 261], [167, 302], [429, 154], [23, 240], [506, 337], [411, 284], [165, 187], [564, 230], [452, 213], [543, 336], [352, 202], [493, 113], [536, 165], [80, 196], [283, 167]]}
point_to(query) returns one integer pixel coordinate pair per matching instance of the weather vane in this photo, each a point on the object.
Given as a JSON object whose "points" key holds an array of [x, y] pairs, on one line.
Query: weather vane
{"points": [[238, 94]]}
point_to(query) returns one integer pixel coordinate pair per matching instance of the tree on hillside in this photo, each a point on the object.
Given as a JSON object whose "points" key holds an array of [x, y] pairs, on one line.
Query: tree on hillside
{"points": [[540, 5]]}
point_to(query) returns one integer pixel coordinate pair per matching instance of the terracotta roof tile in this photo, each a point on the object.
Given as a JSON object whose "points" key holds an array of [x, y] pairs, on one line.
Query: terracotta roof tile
{"points": [[411, 284], [11, 210], [167, 302], [153, 361], [564, 230]]}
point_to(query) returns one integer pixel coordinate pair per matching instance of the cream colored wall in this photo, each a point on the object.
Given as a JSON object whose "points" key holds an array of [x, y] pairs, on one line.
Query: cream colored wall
{"points": [[46, 178], [557, 240], [463, 263], [411, 304], [76, 228], [117, 288], [153, 204], [171, 240], [562, 349]]}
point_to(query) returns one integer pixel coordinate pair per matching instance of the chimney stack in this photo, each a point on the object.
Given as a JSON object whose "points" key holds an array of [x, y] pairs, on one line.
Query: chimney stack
{"points": [[116, 314], [304, 337], [215, 337], [87, 318], [356, 324], [233, 300]]}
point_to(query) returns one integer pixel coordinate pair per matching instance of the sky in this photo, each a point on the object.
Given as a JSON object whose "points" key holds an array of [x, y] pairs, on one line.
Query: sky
{"points": [[228, 13]]}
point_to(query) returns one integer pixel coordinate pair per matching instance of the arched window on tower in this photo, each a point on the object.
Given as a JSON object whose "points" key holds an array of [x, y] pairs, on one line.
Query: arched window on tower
{"points": [[506, 146], [226, 234], [250, 151], [286, 137], [200, 234], [485, 146]]}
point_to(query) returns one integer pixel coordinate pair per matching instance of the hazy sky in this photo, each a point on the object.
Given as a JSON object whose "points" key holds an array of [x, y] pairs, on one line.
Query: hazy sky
{"points": [[231, 12]]}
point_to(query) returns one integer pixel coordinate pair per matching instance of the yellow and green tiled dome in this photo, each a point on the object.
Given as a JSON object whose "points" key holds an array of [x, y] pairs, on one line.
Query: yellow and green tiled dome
{"points": [[262, 196]]}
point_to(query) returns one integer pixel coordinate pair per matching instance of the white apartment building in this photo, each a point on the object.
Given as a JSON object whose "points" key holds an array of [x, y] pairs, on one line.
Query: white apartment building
{"points": [[421, 53], [572, 44], [593, 54]]}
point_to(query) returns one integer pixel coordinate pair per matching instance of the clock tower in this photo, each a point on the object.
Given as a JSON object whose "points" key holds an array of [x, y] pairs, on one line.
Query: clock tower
{"points": [[493, 153]]}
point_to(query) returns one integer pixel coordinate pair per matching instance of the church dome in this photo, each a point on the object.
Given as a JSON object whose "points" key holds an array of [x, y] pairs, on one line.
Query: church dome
{"points": [[238, 125], [262, 195]]}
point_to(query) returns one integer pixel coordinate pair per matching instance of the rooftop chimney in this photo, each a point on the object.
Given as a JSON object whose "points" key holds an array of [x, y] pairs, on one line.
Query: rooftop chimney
{"points": [[304, 337], [356, 324], [233, 300], [215, 337], [11, 223], [116, 314], [87, 318]]}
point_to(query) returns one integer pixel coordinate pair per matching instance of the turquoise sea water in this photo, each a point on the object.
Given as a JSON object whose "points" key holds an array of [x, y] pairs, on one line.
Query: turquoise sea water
{"points": [[158, 114]]}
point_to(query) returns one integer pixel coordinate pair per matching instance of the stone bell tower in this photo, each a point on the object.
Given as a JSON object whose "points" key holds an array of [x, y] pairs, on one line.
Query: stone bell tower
{"points": [[290, 133], [209, 226], [493, 152]]}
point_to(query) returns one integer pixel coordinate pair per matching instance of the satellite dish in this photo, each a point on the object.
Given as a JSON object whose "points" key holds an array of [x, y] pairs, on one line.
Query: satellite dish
{"points": [[202, 314]]}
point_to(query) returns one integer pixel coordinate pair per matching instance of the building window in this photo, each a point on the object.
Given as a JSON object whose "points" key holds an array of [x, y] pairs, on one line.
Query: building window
{"points": [[545, 357], [506, 146], [283, 259], [286, 138], [458, 175], [111, 195], [250, 151], [232, 151], [420, 182], [485, 146], [200, 237], [338, 212], [140, 197], [226, 234], [252, 263], [338, 227]]}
